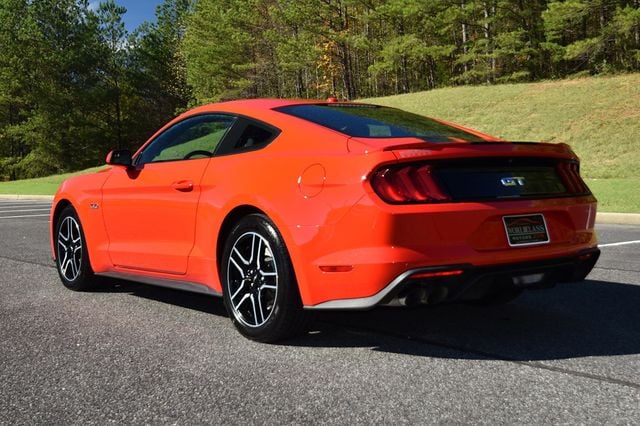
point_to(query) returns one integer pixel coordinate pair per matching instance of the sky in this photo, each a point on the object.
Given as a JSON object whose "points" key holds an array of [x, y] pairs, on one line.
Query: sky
{"points": [[138, 11]]}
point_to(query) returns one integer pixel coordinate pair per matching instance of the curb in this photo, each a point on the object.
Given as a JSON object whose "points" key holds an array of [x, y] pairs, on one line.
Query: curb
{"points": [[25, 197], [618, 218], [601, 217]]}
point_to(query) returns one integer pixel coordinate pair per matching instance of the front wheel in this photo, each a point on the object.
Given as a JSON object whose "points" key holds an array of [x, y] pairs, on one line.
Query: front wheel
{"points": [[259, 287], [72, 256]]}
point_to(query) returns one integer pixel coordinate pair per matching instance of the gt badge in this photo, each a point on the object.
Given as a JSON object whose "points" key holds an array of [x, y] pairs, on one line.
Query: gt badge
{"points": [[512, 181]]}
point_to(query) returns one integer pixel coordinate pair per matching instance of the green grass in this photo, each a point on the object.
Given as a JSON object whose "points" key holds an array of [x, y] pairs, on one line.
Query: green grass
{"points": [[40, 186], [617, 195], [598, 116]]}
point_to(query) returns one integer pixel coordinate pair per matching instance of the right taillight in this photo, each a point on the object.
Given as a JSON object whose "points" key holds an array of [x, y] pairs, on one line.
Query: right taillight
{"points": [[407, 184], [570, 174]]}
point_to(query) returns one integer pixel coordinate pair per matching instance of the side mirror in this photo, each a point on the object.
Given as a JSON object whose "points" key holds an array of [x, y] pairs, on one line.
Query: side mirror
{"points": [[119, 157]]}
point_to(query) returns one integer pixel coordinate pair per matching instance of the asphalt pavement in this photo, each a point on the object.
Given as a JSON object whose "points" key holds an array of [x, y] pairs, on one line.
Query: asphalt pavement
{"points": [[130, 353]]}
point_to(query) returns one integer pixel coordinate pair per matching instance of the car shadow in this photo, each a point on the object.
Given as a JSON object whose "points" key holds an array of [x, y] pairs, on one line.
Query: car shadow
{"points": [[185, 299], [589, 318]]}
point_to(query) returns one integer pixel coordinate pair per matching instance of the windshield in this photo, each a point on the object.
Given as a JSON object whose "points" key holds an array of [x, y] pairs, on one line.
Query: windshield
{"points": [[371, 121]]}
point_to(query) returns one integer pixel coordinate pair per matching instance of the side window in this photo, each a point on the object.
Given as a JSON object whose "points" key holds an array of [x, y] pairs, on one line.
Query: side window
{"points": [[195, 137], [252, 137], [247, 135]]}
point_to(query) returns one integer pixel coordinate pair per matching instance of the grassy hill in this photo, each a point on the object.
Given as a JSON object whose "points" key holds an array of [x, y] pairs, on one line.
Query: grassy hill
{"points": [[40, 186], [598, 116]]}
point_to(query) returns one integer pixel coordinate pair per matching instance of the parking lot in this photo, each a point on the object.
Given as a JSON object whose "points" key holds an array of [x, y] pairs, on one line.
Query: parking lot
{"points": [[139, 354]]}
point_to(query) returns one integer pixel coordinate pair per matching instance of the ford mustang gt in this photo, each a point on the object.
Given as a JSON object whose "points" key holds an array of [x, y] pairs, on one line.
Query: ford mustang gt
{"points": [[284, 207]]}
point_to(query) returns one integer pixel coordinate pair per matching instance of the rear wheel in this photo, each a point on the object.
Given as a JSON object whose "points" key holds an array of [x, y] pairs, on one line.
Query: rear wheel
{"points": [[259, 287], [72, 257]]}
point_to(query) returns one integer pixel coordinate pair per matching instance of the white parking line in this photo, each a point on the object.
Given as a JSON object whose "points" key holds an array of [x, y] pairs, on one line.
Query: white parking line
{"points": [[623, 243], [23, 204], [23, 210], [26, 215]]}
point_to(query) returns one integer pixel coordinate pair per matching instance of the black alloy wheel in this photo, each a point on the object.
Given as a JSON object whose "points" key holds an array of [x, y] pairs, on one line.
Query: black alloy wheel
{"points": [[259, 286], [72, 257]]}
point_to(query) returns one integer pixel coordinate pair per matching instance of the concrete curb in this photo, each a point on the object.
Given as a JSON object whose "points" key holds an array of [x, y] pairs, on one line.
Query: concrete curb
{"points": [[601, 217], [25, 197], [618, 218]]}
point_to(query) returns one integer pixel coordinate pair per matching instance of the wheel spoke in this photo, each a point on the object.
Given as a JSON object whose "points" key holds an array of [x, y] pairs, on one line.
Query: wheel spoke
{"points": [[70, 248], [63, 265], [77, 263], [245, 297], [260, 308], [253, 306], [258, 253], [73, 266], [69, 229], [268, 286], [68, 268], [62, 237], [75, 240], [237, 266], [233, 296], [253, 245], [242, 259]]}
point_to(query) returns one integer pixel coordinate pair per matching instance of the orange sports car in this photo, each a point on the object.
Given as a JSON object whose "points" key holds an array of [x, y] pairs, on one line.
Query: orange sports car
{"points": [[283, 207]]}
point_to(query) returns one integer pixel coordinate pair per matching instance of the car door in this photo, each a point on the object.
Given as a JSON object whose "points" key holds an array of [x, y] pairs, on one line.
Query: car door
{"points": [[150, 209]]}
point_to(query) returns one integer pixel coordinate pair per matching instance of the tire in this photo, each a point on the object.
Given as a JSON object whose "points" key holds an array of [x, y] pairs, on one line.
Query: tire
{"points": [[72, 256], [259, 287]]}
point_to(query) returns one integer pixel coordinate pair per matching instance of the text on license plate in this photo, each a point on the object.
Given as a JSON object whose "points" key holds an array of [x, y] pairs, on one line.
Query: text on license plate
{"points": [[526, 229]]}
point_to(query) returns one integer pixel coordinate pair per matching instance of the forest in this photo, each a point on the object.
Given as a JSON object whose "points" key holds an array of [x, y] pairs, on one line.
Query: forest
{"points": [[74, 83]]}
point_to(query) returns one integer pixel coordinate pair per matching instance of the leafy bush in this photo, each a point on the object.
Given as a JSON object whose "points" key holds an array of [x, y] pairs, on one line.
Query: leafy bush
{"points": [[36, 164]]}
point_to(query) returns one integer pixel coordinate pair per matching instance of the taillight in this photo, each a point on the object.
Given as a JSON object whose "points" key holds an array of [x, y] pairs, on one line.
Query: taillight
{"points": [[570, 175], [407, 184]]}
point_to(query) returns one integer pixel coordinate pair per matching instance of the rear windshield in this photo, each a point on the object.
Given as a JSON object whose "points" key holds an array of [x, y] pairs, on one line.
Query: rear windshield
{"points": [[371, 121]]}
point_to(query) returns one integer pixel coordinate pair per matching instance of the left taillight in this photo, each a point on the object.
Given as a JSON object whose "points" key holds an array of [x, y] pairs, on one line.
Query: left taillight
{"points": [[407, 184]]}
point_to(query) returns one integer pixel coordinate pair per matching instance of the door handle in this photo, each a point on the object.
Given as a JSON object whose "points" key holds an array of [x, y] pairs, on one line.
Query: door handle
{"points": [[183, 185]]}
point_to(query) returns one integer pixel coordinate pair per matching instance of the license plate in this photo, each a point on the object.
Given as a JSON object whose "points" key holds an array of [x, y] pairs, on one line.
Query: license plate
{"points": [[526, 229]]}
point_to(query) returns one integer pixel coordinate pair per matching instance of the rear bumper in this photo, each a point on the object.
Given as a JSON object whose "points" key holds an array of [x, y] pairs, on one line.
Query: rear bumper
{"points": [[467, 282], [375, 244]]}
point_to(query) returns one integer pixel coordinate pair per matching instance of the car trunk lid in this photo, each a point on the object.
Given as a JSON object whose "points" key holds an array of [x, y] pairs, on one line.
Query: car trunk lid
{"points": [[478, 171]]}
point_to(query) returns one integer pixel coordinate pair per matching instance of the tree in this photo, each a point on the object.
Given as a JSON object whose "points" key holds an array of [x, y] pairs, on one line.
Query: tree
{"points": [[74, 83], [594, 35], [157, 70], [218, 48]]}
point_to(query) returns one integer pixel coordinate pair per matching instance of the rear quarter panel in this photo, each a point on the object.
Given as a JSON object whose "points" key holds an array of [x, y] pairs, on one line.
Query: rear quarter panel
{"points": [[304, 181]]}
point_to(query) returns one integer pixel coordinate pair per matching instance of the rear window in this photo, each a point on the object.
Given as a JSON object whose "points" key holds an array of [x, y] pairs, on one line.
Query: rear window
{"points": [[371, 121]]}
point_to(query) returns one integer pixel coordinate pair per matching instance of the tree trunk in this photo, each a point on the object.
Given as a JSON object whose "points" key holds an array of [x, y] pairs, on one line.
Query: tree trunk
{"points": [[118, 117], [405, 78], [464, 39], [636, 32], [299, 84], [347, 74], [489, 11]]}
